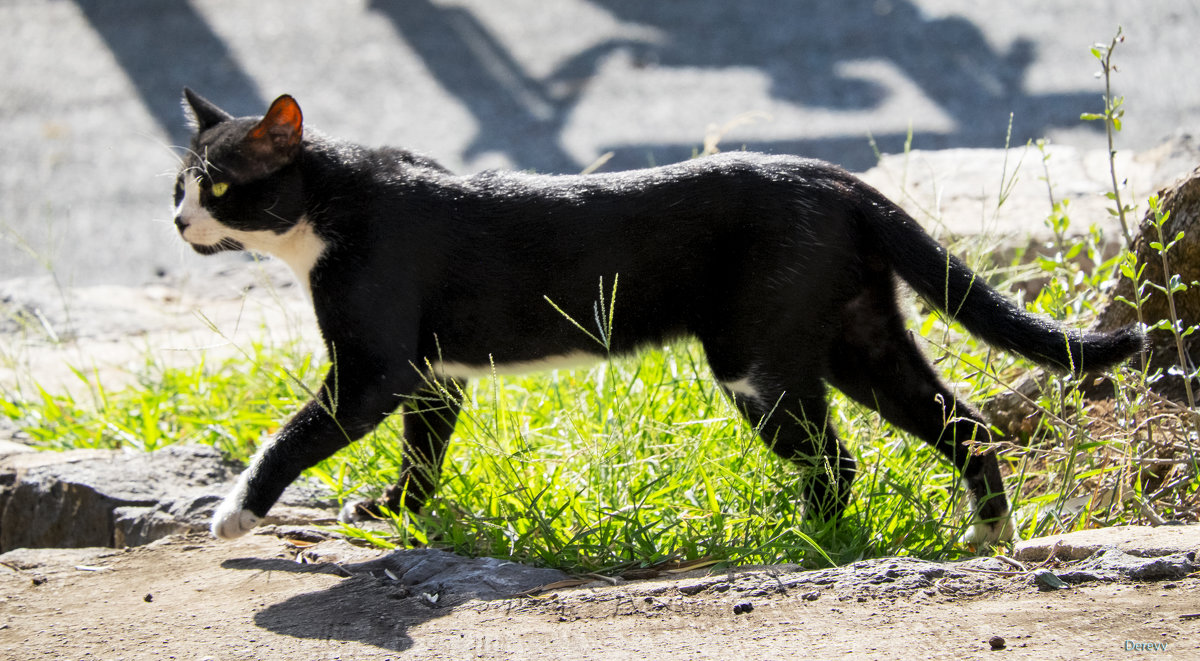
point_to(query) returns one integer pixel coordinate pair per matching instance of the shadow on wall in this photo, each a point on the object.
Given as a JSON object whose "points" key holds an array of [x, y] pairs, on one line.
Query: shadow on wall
{"points": [[163, 46], [798, 45]]}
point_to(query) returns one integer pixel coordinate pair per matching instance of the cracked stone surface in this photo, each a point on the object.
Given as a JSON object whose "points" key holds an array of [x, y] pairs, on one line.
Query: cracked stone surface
{"points": [[85, 498]]}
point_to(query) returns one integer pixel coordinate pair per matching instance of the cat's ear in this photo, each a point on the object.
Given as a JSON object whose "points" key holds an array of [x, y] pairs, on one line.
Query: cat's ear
{"points": [[279, 133], [204, 114]]}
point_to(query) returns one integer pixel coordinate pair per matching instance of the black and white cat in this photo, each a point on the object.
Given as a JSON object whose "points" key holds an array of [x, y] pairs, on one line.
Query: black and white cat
{"points": [[783, 268]]}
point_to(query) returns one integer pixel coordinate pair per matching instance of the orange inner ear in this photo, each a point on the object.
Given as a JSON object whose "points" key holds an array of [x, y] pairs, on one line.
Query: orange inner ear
{"points": [[283, 120]]}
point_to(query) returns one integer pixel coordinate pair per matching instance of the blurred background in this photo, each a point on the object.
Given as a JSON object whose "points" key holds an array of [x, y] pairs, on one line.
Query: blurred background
{"points": [[90, 110]]}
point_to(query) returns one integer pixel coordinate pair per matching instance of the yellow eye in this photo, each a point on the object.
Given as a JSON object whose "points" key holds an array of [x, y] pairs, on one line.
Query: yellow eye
{"points": [[218, 189]]}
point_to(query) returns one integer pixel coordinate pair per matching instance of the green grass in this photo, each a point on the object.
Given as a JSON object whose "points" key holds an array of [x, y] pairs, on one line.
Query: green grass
{"points": [[635, 462], [641, 461], [229, 405]]}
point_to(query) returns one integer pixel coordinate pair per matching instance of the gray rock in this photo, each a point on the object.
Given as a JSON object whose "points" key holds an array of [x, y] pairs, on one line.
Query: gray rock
{"points": [[71, 499], [1115, 565], [113, 498], [1142, 541], [879, 578], [135, 526], [440, 574], [1047, 580]]}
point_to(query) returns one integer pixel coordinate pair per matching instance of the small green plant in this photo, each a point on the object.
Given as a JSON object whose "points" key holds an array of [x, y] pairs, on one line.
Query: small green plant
{"points": [[1113, 115], [1174, 285]]}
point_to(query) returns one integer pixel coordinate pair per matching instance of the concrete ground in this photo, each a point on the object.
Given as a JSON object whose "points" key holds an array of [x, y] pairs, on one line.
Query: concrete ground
{"points": [[89, 98]]}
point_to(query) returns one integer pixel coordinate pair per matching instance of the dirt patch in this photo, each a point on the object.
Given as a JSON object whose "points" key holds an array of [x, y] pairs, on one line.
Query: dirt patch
{"points": [[193, 597]]}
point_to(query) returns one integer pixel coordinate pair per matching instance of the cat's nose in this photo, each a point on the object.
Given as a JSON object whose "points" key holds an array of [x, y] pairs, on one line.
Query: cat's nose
{"points": [[180, 223]]}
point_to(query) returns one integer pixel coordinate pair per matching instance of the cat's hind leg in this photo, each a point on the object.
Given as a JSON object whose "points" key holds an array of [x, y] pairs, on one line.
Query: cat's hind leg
{"points": [[793, 421], [429, 419], [875, 361]]}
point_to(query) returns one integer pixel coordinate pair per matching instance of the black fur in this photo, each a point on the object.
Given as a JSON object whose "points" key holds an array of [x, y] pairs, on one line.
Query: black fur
{"points": [[783, 268]]}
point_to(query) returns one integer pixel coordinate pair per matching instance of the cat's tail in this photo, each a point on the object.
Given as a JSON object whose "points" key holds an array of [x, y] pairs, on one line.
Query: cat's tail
{"points": [[945, 281]]}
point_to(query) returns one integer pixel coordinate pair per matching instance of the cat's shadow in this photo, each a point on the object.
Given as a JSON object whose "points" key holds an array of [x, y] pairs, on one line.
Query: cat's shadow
{"points": [[360, 608], [377, 602]]}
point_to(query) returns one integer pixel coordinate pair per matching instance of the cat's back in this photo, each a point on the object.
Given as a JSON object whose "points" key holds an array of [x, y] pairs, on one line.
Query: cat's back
{"points": [[707, 176]]}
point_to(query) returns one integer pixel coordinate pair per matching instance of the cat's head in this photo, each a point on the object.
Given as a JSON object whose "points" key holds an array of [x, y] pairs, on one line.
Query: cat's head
{"points": [[239, 187]]}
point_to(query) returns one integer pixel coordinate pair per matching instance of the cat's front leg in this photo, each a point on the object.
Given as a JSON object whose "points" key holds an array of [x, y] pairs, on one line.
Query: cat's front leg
{"points": [[326, 424]]}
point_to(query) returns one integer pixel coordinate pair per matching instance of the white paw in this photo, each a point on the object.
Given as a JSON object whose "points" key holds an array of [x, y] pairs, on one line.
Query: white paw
{"points": [[231, 521], [357, 511], [988, 533], [349, 512]]}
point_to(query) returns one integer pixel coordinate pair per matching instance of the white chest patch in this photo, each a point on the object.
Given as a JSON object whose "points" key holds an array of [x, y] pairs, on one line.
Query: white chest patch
{"points": [[299, 247], [743, 387]]}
